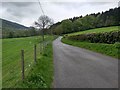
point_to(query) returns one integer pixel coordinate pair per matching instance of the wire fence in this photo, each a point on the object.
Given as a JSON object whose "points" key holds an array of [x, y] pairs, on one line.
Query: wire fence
{"points": [[26, 64], [25, 59], [16, 67]]}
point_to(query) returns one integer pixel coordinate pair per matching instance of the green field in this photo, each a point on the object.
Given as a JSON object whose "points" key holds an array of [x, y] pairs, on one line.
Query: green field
{"points": [[11, 58], [97, 30], [107, 49]]}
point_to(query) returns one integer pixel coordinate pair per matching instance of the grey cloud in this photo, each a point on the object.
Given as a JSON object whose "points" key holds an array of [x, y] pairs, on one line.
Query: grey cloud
{"points": [[15, 13], [17, 4], [19, 9]]}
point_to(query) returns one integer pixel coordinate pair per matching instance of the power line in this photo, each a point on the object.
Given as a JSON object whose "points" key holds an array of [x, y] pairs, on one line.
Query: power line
{"points": [[41, 7]]}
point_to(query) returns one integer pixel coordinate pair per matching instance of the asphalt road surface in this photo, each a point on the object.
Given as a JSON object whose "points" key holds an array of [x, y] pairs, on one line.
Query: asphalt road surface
{"points": [[80, 68]]}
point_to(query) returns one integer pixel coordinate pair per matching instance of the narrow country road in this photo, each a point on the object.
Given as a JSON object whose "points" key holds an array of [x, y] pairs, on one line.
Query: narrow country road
{"points": [[80, 68]]}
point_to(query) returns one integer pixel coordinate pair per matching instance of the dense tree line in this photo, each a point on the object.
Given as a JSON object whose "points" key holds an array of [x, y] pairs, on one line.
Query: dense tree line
{"points": [[104, 19], [10, 33]]}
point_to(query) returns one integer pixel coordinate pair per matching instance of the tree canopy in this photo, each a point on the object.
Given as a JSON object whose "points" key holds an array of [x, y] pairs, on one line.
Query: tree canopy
{"points": [[104, 19]]}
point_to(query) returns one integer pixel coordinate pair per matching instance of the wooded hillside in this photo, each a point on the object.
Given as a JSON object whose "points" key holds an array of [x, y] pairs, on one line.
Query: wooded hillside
{"points": [[75, 24]]}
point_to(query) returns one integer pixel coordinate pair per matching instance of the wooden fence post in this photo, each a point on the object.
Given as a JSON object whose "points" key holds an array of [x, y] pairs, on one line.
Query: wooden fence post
{"points": [[43, 46], [40, 48], [22, 62], [35, 53]]}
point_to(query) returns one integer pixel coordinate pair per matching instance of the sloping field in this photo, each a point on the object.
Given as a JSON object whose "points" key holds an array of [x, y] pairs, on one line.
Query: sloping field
{"points": [[97, 30]]}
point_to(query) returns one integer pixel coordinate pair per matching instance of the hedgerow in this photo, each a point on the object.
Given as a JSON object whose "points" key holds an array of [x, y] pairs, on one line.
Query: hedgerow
{"points": [[107, 37]]}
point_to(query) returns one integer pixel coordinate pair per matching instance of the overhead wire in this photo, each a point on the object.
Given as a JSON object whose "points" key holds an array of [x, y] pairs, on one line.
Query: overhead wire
{"points": [[41, 7]]}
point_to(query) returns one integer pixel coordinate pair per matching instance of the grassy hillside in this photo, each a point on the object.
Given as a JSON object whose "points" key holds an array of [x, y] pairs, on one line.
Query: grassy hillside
{"points": [[97, 30], [107, 49], [11, 62], [12, 25]]}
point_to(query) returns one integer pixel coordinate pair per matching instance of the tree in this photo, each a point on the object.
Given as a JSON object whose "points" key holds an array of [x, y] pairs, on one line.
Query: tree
{"points": [[43, 23], [98, 20], [11, 34], [32, 31], [66, 26]]}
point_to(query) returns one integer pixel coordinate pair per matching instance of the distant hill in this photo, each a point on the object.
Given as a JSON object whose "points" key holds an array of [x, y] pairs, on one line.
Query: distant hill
{"points": [[8, 25], [15, 30]]}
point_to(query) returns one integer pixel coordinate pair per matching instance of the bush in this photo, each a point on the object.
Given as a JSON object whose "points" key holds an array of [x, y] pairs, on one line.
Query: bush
{"points": [[117, 45], [65, 36], [107, 37]]}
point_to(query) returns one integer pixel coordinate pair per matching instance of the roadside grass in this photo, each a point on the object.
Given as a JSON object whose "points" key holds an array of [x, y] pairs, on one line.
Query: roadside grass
{"points": [[106, 49], [97, 30], [41, 75], [11, 58]]}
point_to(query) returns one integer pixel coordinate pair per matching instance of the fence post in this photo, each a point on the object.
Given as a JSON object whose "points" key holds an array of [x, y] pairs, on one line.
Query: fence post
{"points": [[22, 62], [43, 46], [35, 53], [40, 48]]}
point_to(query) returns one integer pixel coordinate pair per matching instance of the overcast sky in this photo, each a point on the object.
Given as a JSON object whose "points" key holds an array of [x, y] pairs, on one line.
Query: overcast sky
{"points": [[26, 13]]}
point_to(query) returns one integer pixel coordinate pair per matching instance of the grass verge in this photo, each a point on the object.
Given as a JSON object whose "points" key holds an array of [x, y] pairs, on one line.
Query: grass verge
{"points": [[41, 75], [106, 49]]}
